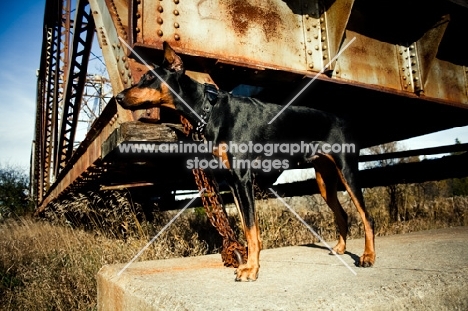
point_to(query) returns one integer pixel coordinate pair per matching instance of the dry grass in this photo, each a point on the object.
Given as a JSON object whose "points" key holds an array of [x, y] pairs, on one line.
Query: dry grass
{"points": [[48, 265], [51, 267]]}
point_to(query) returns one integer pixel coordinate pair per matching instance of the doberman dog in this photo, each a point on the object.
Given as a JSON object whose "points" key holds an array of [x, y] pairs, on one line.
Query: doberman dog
{"points": [[234, 119]]}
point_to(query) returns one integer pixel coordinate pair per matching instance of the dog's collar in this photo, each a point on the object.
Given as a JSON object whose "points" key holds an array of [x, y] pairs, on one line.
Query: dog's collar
{"points": [[212, 94]]}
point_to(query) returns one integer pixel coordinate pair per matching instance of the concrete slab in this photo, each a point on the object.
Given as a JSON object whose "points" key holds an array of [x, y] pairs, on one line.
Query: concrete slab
{"points": [[419, 271]]}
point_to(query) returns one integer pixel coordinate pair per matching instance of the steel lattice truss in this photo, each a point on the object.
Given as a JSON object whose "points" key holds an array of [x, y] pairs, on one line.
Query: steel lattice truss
{"points": [[61, 96]]}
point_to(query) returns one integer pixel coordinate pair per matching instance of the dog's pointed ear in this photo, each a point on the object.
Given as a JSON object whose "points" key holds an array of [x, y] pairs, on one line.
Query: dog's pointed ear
{"points": [[172, 61]]}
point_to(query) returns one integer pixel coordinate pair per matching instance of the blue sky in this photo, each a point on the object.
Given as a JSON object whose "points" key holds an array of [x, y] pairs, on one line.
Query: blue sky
{"points": [[21, 39]]}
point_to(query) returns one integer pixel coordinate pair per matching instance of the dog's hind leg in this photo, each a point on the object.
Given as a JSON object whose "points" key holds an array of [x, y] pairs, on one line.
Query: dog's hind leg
{"points": [[327, 179], [348, 175]]}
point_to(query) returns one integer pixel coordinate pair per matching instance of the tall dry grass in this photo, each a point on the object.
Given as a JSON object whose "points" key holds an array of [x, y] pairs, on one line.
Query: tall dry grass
{"points": [[51, 265]]}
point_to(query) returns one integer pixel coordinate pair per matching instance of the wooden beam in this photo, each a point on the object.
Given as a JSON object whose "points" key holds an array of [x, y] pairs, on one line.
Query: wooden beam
{"points": [[136, 131]]}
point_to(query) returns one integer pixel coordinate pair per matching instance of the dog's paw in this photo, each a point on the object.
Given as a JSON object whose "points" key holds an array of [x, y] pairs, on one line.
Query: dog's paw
{"points": [[339, 249], [246, 273], [367, 260]]}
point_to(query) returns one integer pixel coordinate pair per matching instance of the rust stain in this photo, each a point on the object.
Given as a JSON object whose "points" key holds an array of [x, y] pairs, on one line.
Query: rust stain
{"points": [[244, 15], [209, 265]]}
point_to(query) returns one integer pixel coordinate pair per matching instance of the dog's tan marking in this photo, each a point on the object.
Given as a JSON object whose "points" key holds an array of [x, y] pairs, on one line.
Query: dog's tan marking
{"points": [[220, 152], [161, 98], [249, 270]]}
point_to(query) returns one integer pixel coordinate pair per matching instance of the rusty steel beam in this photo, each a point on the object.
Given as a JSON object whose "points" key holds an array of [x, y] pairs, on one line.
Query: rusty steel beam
{"points": [[85, 157], [50, 102], [53, 59], [394, 55], [75, 79]]}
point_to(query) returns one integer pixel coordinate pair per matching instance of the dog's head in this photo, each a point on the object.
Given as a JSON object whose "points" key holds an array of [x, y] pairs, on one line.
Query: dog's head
{"points": [[153, 89]]}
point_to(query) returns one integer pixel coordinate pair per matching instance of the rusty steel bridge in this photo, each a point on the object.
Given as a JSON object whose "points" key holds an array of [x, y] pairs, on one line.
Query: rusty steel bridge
{"points": [[404, 75]]}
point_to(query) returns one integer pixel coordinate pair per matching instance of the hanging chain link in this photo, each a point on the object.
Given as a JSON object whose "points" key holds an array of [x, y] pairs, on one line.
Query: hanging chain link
{"points": [[232, 253]]}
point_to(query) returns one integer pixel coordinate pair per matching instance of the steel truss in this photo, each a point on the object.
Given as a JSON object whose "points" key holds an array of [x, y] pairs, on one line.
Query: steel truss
{"points": [[62, 78]]}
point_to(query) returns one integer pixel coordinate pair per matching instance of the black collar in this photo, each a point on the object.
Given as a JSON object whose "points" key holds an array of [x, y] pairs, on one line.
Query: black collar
{"points": [[211, 94]]}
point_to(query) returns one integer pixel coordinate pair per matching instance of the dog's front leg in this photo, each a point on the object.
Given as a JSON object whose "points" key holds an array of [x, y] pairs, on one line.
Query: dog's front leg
{"points": [[242, 189]]}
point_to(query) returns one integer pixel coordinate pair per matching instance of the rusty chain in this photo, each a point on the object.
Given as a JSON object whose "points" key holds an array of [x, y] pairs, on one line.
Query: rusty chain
{"points": [[232, 253]]}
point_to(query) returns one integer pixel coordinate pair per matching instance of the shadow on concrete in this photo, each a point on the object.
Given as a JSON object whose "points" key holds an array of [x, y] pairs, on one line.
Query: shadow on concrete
{"points": [[352, 255]]}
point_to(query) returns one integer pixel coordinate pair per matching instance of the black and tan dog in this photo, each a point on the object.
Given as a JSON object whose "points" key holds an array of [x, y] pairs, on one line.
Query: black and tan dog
{"points": [[239, 120]]}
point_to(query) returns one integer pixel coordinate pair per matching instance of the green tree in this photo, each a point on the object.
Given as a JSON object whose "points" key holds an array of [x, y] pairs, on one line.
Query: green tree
{"points": [[14, 193]]}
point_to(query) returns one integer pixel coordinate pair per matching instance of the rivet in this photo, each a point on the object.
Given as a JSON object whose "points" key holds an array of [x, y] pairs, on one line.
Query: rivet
{"points": [[159, 32], [126, 80], [137, 29], [176, 12], [324, 38], [127, 66], [309, 40], [416, 79], [413, 63], [122, 72], [308, 28], [307, 16], [311, 65], [403, 69], [316, 47], [325, 56], [177, 37], [315, 36], [138, 15], [322, 29], [124, 58], [404, 78], [413, 55], [411, 47], [324, 47], [337, 71], [405, 86], [414, 71], [159, 20], [160, 9], [309, 52], [322, 19], [117, 58], [176, 25], [176, 1]]}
